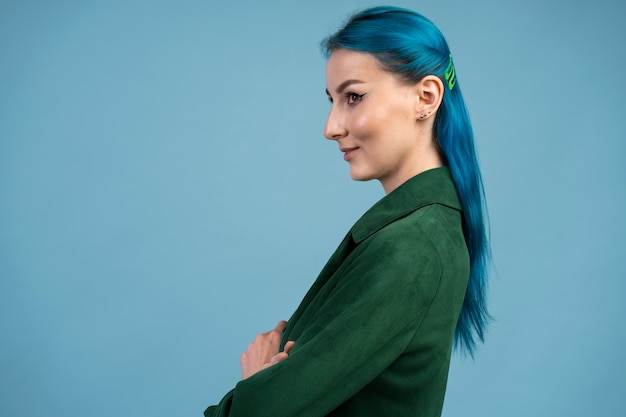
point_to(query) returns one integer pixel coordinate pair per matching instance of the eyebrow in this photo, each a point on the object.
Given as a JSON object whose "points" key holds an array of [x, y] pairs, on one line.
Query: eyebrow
{"points": [[345, 85]]}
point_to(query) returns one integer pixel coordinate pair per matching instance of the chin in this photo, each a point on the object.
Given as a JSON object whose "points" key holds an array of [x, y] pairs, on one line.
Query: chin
{"points": [[360, 176]]}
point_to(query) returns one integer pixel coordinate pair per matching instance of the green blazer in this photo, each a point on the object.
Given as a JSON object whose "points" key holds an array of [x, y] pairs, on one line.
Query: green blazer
{"points": [[374, 333]]}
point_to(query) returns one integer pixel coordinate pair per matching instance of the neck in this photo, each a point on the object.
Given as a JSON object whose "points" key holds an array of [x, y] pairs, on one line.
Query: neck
{"points": [[418, 162]]}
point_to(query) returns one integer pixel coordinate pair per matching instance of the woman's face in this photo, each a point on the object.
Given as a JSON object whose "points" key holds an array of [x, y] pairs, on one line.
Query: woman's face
{"points": [[374, 119]]}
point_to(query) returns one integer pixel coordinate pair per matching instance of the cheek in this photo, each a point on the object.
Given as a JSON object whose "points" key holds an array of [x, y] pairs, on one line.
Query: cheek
{"points": [[367, 123]]}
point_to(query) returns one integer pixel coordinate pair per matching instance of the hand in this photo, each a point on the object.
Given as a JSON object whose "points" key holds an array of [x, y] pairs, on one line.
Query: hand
{"points": [[263, 352]]}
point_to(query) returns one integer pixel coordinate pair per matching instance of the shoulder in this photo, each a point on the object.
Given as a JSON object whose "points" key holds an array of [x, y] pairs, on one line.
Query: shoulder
{"points": [[403, 241], [420, 246], [427, 229]]}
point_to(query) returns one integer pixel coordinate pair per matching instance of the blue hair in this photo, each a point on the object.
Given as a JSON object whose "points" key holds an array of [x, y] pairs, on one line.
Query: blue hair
{"points": [[409, 45]]}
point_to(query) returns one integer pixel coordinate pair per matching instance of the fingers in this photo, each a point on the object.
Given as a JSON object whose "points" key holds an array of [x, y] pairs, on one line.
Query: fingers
{"points": [[275, 359], [280, 356], [275, 334], [263, 352], [272, 337], [281, 326], [288, 347], [251, 363]]}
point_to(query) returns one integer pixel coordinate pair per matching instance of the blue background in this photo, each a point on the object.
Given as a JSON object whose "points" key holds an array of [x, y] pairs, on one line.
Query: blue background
{"points": [[166, 194]]}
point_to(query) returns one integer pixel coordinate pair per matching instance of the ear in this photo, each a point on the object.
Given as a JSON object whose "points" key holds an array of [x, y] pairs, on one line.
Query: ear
{"points": [[429, 93]]}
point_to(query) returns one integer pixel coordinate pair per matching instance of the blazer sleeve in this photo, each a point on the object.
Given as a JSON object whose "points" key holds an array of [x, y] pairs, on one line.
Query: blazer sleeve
{"points": [[364, 323]]}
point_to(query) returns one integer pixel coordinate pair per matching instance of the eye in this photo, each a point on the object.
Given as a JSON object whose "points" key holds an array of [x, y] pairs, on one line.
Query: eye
{"points": [[353, 98]]}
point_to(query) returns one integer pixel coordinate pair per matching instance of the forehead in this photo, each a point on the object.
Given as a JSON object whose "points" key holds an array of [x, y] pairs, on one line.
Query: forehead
{"points": [[345, 64]]}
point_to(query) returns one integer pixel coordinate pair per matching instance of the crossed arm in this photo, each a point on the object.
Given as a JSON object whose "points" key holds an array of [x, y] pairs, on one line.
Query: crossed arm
{"points": [[362, 325]]}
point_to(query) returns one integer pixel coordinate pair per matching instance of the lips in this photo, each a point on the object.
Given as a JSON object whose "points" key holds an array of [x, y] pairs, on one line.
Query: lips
{"points": [[348, 153]]}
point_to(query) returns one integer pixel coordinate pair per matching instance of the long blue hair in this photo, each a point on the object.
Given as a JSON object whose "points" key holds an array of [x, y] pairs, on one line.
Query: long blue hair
{"points": [[409, 45]]}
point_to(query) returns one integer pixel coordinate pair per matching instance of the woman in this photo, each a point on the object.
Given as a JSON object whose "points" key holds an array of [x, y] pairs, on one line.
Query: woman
{"points": [[374, 334]]}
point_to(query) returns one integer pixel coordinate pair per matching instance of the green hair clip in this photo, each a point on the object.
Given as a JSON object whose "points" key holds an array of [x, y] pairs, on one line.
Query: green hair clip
{"points": [[450, 74]]}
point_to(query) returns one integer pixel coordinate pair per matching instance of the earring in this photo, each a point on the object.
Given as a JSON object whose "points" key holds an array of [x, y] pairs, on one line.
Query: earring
{"points": [[422, 115]]}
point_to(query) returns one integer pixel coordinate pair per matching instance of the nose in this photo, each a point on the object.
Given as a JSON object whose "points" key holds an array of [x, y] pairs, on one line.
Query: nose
{"points": [[335, 125]]}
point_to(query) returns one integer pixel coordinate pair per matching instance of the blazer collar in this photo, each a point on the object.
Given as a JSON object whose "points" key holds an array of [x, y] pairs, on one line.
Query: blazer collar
{"points": [[429, 187]]}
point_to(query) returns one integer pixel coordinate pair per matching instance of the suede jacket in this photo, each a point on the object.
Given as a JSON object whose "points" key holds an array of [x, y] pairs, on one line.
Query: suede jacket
{"points": [[374, 333]]}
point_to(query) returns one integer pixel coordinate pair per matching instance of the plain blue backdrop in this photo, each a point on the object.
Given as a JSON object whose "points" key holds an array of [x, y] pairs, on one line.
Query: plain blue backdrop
{"points": [[166, 194]]}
